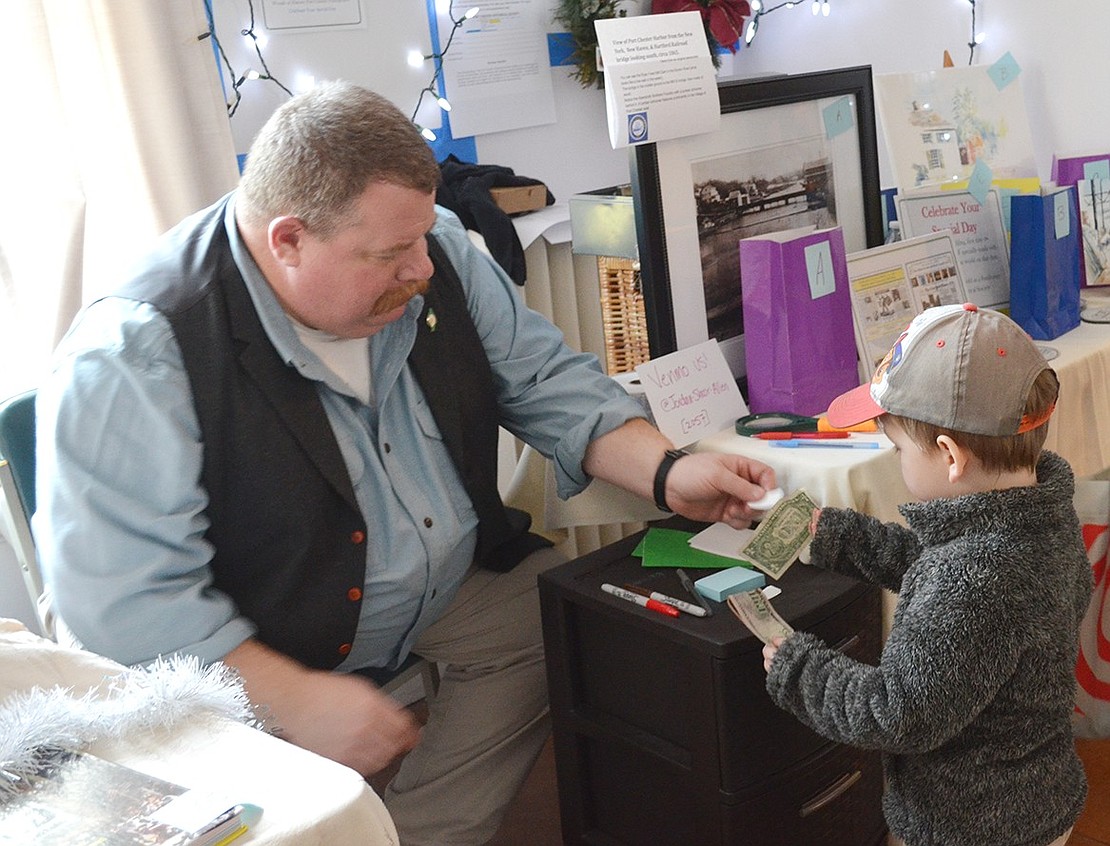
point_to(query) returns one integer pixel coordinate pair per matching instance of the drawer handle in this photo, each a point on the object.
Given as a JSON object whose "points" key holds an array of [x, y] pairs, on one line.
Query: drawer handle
{"points": [[847, 645], [830, 793]]}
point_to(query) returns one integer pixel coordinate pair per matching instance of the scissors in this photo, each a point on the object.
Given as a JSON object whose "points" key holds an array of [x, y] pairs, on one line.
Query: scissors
{"points": [[774, 421]]}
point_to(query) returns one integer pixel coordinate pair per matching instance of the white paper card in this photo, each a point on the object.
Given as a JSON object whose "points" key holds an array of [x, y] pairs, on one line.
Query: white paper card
{"points": [[1061, 218], [659, 78], [193, 809], [722, 539], [692, 392]]}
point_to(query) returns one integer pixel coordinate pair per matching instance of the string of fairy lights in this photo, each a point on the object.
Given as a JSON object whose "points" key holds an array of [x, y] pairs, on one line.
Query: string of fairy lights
{"points": [[977, 38], [759, 10], [434, 88], [257, 40]]}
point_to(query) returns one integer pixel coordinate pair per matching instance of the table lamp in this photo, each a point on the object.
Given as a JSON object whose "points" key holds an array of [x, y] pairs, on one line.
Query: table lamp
{"points": [[602, 224]]}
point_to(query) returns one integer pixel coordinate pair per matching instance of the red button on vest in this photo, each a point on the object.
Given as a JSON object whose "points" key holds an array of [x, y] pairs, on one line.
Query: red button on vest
{"points": [[354, 594], [358, 537], [344, 649]]}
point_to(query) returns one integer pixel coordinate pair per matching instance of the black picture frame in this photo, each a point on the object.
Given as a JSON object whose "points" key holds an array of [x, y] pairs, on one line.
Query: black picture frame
{"points": [[758, 116]]}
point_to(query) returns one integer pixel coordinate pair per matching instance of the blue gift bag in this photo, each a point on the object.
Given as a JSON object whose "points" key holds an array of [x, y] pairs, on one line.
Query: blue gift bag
{"points": [[1045, 270]]}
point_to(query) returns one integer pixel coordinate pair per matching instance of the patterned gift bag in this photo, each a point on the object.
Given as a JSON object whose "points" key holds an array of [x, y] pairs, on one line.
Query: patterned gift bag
{"points": [[1092, 704]]}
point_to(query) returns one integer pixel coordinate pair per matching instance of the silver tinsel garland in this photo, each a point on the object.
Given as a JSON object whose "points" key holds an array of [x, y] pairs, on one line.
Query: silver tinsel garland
{"points": [[37, 725]]}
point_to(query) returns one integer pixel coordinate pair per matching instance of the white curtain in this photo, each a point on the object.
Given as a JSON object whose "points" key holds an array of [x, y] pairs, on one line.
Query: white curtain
{"points": [[115, 129], [564, 288]]}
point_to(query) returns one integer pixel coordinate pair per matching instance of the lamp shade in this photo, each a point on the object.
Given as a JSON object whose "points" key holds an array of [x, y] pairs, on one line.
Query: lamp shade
{"points": [[602, 223]]}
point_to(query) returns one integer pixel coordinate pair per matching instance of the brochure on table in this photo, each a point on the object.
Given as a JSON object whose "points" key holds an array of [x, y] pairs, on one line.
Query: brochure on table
{"points": [[978, 233], [892, 284], [659, 78], [692, 393]]}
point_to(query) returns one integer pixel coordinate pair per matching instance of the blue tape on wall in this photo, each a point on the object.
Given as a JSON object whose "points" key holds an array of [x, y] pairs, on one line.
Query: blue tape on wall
{"points": [[560, 48]]}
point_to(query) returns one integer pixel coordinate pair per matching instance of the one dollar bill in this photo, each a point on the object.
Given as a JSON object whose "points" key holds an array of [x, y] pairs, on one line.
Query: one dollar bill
{"points": [[754, 610], [782, 535]]}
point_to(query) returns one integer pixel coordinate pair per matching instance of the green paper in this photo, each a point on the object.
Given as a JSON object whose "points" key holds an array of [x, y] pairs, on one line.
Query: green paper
{"points": [[671, 548]]}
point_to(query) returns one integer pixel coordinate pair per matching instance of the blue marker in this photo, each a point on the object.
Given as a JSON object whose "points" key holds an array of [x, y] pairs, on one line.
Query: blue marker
{"points": [[797, 444]]}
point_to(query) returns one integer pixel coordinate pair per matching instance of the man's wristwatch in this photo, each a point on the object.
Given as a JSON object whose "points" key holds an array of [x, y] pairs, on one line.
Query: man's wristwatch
{"points": [[659, 488]]}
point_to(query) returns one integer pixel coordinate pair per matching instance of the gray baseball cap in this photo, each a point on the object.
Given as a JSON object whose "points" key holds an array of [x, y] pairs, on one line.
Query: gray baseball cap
{"points": [[961, 367]]}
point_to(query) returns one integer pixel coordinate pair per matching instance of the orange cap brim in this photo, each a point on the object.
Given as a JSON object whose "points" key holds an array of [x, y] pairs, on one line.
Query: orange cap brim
{"points": [[854, 407]]}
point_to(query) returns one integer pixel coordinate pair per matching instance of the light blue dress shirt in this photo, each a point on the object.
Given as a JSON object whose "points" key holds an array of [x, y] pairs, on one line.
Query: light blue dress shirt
{"points": [[121, 518]]}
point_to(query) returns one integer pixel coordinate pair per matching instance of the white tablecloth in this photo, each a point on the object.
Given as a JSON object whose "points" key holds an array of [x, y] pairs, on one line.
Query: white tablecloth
{"points": [[867, 480], [306, 800], [1080, 428], [864, 479]]}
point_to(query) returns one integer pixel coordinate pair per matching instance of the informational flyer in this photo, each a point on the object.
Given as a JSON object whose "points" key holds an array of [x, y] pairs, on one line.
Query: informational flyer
{"points": [[311, 14], [892, 284], [978, 233], [659, 78], [692, 393], [497, 74]]}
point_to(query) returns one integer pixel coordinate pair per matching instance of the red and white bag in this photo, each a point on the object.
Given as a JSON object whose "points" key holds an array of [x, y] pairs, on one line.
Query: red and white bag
{"points": [[1091, 718]]}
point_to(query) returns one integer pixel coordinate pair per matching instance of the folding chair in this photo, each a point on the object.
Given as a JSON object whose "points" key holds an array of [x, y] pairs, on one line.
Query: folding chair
{"points": [[17, 495]]}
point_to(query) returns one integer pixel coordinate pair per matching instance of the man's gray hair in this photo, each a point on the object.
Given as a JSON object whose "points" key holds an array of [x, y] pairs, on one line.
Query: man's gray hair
{"points": [[318, 152]]}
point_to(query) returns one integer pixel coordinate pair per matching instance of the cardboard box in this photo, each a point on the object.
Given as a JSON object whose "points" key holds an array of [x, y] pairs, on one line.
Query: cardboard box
{"points": [[522, 198]]}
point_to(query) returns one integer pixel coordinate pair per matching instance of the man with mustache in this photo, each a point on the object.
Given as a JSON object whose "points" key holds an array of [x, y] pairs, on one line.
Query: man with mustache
{"points": [[276, 447]]}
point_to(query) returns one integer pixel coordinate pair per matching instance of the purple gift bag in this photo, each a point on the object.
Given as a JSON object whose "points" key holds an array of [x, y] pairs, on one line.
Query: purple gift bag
{"points": [[799, 343]]}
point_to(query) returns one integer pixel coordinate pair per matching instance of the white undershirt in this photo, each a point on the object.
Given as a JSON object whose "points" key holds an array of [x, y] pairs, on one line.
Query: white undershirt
{"points": [[347, 358]]}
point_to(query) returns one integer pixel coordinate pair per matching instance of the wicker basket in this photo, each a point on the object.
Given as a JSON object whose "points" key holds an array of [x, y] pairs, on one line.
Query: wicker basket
{"points": [[622, 314]]}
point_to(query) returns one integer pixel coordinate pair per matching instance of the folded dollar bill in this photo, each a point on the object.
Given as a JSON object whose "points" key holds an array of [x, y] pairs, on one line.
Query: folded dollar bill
{"points": [[754, 610]]}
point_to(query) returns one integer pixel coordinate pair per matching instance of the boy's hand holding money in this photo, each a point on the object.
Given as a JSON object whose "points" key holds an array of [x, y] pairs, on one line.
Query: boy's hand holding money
{"points": [[770, 650]]}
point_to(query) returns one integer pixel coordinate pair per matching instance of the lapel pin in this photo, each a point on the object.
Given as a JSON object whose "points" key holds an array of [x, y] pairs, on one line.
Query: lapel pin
{"points": [[430, 319]]}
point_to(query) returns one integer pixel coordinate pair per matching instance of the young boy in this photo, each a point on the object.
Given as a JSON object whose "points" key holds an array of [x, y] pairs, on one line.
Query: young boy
{"points": [[971, 700]]}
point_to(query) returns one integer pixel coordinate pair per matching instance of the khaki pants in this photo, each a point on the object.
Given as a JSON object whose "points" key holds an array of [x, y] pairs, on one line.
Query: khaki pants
{"points": [[1059, 841], [489, 721]]}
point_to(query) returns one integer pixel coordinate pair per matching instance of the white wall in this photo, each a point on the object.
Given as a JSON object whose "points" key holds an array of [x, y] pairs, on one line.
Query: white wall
{"points": [[1065, 67]]}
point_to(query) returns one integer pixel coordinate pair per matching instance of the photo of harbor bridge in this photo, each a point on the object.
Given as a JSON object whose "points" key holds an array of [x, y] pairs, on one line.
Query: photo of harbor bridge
{"points": [[754, 192]]}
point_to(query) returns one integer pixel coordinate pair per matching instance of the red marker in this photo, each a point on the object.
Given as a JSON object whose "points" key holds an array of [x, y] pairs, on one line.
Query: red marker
{"points": [[789, 436], [642, 601]]}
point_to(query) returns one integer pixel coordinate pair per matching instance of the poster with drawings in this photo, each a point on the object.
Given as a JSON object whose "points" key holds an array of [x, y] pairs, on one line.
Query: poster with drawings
{"points": [[1094, 206], [938, 124]]}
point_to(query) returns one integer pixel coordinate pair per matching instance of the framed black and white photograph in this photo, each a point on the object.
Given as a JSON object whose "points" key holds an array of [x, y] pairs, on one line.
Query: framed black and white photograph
{"points": [[792, 151]]}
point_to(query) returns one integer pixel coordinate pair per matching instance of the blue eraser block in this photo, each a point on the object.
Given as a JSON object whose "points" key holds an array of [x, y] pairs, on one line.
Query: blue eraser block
{"points": [[727, 582]]}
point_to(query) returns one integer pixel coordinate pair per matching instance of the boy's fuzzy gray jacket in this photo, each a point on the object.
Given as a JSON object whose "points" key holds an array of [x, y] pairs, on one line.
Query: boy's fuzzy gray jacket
{"points": [[972, 698]]}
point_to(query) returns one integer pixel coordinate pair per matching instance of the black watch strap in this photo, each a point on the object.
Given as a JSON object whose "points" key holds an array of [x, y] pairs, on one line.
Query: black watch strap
{"points": [[659, 487]]}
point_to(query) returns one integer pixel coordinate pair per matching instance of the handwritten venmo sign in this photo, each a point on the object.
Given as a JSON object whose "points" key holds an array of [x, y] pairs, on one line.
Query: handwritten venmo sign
{"points": [[692, 393]]}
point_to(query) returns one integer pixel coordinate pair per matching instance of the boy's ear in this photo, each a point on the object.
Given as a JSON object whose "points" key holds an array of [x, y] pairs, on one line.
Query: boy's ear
{"points": [[955, 456]]}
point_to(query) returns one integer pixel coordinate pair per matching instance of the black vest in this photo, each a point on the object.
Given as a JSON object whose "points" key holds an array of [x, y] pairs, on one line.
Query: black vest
{"points": [[289, 542]]}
